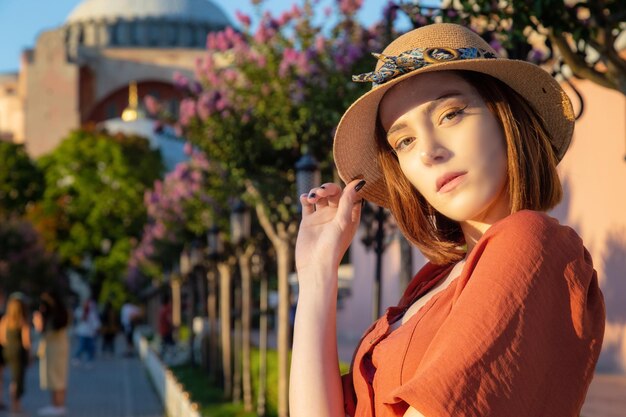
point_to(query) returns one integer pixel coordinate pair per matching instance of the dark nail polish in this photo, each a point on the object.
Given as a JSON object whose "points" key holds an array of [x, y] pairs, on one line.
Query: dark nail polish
{"points": [[362, 203], [312, 195], [359, 185]]}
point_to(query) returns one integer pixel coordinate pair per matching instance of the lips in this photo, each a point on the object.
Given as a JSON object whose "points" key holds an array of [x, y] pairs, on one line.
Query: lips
{"points": [[446, 178]]}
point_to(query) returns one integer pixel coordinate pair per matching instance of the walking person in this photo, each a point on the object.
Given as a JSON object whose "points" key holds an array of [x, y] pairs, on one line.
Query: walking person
{"points": [[166, 326], [2, 363], [51, 320], [15, 337], [87, 325], [506, 318], [129, 314], [109, 329]]}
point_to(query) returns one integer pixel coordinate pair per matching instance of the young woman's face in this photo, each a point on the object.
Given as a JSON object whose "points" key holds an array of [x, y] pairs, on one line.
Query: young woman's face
{"points": [[449, 145]]}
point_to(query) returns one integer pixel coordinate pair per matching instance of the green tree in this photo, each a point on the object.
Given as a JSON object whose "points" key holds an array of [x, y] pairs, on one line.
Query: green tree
{"points": [[585, 35], [94, 193], [21, 181]]}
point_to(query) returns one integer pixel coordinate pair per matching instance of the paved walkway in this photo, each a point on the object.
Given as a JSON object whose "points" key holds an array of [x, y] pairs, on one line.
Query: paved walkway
{"points": [[113, 387], [606, 397]]}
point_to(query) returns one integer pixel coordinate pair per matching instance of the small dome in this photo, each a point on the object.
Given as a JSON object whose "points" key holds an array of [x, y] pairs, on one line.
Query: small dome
{"points": [[185, 10]]}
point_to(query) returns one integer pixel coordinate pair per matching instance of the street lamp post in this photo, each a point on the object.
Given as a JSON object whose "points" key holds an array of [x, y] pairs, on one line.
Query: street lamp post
{"points": [[213, 253], [193, 258], [182, 269], [239, 223], [240, 233], [373, 231], [258, 269], [307, 175], [216, 250], [214, 243]]}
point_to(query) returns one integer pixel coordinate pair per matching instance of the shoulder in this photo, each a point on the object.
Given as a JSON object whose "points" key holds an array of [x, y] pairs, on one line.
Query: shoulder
{"points": [[528, 221], [529, 230], [530, 244]]}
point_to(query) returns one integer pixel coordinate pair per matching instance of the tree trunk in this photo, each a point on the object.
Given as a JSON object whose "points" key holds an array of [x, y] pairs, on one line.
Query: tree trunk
{"points": [[176, 303], [246, 305], [281, 235], [191, 311], [224, 273], [283, 254], [214, 369], [260, 408], [237, 346]]}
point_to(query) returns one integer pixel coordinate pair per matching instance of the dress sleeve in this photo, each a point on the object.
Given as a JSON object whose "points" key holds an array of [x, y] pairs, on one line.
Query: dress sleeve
{"points": [[523, 333]]}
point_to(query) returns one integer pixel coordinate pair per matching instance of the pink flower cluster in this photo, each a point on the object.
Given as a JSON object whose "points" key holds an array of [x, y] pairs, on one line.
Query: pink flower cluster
{"points": [[303, 63], [168, 206], [350, 7], [224, 40]]}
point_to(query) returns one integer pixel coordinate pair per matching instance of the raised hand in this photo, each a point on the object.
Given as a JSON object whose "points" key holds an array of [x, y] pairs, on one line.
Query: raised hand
{"points": [[330, 218]]}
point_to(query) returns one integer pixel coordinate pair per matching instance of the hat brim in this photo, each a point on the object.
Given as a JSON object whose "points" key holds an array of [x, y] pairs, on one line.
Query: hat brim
{"points": [[354, 146]]}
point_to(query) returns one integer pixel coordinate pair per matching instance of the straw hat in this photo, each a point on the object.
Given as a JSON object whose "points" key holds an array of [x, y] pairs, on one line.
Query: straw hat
{"points": [[438, 47]]}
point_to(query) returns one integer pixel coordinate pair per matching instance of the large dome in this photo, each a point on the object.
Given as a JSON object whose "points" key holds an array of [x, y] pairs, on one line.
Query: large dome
{"points": [[188, 10], [142, 24]]}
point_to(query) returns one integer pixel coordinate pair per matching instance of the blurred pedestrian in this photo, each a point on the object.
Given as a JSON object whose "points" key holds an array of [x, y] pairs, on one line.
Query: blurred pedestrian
{"points": [[2, 404], [129, 314], [166, 327], [52, 320], [87, 325], [15, 337], [109, 328]]}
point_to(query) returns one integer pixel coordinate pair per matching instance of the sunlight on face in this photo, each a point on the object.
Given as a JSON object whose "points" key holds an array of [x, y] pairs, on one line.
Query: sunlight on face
{"points": [[449, 145]]}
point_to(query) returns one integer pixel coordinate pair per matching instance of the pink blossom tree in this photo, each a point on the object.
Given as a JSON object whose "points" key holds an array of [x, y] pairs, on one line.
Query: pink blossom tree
{"points": [[180, 207], [264, 96]]}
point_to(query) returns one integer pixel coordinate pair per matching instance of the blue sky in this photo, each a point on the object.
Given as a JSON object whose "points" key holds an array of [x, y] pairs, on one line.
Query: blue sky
{"points": [[22, 20]]}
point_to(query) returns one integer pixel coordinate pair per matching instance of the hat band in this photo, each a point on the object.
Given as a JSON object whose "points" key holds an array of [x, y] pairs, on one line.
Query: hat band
{"points": [[417, 58]]}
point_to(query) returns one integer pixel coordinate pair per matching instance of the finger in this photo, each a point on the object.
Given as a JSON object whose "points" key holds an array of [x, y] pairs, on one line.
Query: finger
{"points": [[317, 198], [307, 208], [350, 203], [357, 208], [324, 195], [332, 192]]}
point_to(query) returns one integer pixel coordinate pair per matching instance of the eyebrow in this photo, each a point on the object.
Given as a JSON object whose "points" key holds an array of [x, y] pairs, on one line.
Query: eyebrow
{"points": [[429, 108]]}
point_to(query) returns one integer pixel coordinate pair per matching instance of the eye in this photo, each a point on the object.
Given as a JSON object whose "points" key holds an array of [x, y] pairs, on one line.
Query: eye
{"points": [[452, 114], [403, 144]]}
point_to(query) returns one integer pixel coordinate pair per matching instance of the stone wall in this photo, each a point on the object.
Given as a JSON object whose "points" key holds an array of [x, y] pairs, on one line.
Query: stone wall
{"points": [[51, 96], [11, 109]]}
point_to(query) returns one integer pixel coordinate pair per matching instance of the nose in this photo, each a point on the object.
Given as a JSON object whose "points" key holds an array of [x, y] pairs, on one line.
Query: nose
{"points": [[433, 153]]}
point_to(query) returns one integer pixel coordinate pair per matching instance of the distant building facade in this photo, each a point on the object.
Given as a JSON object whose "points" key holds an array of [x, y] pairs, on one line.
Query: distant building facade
{"points": [[79, 73]]}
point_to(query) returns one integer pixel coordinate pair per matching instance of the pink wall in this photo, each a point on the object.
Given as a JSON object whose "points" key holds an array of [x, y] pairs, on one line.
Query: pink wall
{"points": [[594, 204], [593, 174]]}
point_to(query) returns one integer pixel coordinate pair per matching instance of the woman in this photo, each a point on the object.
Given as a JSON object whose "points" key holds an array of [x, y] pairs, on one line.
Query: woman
{"points": [[2, 364], [52, 320], [86, 328], [110, 326], [507, 318], [15, 337]]}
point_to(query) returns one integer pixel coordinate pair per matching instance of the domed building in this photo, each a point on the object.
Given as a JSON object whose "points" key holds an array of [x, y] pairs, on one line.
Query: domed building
{"points": [[79, 73]]}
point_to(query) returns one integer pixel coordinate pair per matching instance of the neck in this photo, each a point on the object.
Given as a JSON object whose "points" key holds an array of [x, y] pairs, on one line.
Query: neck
{"points": [[473, 229]]}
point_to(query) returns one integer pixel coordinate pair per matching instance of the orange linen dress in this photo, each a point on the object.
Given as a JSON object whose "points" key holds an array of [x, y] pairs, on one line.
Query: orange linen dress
{"points": [[517, 334]]}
